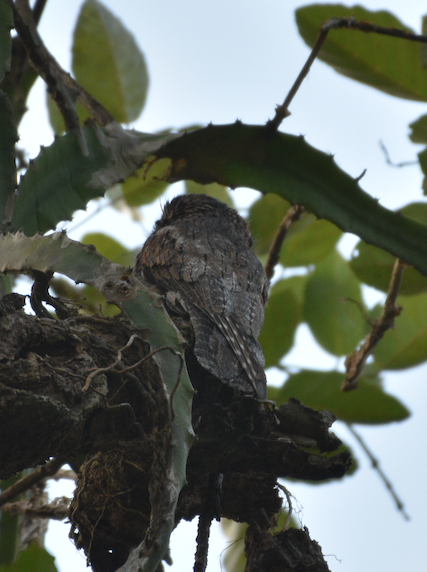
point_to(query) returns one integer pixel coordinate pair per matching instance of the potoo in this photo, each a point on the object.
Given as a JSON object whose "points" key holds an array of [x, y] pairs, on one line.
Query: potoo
{"points": [[200, 256]]}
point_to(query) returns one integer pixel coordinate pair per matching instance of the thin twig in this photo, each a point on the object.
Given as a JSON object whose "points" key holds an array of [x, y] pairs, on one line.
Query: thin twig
{"points": [[62, 87], [390, 162], [24, 484], [58, 509], [113, 367], [376, 466], [99, 370], [293, 214], [38, 8], [282, 111], [356, 361]]}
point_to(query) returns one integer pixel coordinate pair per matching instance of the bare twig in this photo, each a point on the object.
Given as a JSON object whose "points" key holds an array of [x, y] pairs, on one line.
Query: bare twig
{"points": [[62, 87], [115, 365], [355, 362], [282, 111], [32, 479], [58, 509], [376, 466], [293, 214], [112, 367], [390, 162]]}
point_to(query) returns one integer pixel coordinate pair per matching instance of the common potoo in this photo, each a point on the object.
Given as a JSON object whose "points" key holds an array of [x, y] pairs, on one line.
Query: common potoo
{"points": [[200, 255]]}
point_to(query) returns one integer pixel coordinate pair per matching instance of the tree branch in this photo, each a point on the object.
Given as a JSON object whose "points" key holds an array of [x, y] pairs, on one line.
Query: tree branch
{"points": [[30, 480], [293, 215], [356, 362]]}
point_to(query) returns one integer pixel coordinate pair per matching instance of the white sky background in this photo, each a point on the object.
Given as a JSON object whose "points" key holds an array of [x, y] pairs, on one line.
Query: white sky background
{"points": [[218, 61]]}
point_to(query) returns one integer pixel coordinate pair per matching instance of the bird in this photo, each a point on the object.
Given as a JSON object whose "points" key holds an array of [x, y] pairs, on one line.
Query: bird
{"points": [[200, 257]]}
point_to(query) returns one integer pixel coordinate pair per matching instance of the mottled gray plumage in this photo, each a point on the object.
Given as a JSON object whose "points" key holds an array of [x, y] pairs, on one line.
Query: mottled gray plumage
{"points": [[200, 254]]}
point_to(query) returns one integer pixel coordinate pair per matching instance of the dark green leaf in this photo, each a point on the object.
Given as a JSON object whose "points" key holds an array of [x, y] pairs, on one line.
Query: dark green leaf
{"points": [[419, 130], [322, 390], [142, 187], [8, 138], [388, 64], [283, 314], [58, 183], [332, 306], [34, 559], [66, 175], [406, 344], [250, 156], [108, 62], [214, 190], [265, 215], [6, 24]]}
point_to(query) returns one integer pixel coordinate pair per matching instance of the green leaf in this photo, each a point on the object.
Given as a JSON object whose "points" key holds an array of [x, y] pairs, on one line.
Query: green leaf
{"points": [[283, 314], [385, 63], [72, 171], [58, 183], [265, 215], [234, 557], [406, 344], [374, 267], [8, 138], [322, 390], [419, 130], [214, 190], [34, 558], [142, 187], [110, 248], [6, 24], [108, 62], [309, 241], [332, 306], [272, 162]]}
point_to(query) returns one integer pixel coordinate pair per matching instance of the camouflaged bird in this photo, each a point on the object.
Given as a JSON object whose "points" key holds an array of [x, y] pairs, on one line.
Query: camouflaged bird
{"points": [[200, 256]]}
